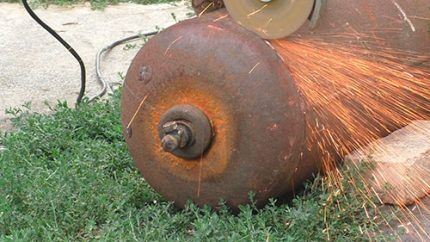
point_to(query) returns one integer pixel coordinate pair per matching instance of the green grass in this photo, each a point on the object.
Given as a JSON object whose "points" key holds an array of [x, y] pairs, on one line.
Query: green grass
{"points": [[96, 4], [69, 176]]}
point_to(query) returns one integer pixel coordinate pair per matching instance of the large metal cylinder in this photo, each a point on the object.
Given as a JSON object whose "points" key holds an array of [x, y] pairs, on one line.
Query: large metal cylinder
{"points": [[241, 85], [397, 24], [211, 72]]}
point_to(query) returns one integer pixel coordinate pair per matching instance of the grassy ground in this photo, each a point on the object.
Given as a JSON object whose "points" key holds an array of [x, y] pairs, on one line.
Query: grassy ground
{"points": [[96, 4], [68, 176]]}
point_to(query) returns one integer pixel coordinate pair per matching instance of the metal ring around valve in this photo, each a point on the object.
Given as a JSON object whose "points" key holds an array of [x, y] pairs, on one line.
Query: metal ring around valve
{"points": [[188, 125]]}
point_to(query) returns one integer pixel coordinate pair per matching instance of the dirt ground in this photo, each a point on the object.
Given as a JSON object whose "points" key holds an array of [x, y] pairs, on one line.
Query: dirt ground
{"points": [[35, 68]]}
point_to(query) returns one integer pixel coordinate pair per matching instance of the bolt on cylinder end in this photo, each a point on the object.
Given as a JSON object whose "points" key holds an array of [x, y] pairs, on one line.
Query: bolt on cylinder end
{"points": [[170, 143]]}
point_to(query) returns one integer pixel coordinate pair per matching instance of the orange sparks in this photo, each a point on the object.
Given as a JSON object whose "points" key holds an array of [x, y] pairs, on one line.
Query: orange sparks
{"points": [[354, 96]]}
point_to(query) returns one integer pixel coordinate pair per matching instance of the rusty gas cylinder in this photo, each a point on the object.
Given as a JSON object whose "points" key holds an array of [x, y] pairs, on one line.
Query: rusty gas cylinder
{"points": [[219, 116], [218, 119]]}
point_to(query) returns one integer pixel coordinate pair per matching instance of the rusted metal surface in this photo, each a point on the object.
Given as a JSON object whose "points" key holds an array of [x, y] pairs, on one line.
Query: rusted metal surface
{"points": [[402, 25], [206, 6], [241, 85], [394, 28]]}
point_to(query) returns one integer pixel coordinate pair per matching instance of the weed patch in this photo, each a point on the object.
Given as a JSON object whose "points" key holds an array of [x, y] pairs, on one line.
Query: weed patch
{"points": [[68, 176]]}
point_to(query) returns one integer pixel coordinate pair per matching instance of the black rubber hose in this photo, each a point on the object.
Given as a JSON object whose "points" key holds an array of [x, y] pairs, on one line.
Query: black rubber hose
{"points": [[65, 44]]}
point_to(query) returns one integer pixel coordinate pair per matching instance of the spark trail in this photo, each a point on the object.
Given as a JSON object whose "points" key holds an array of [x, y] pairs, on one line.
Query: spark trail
{"points": [[352, 100], [354, 96]]}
